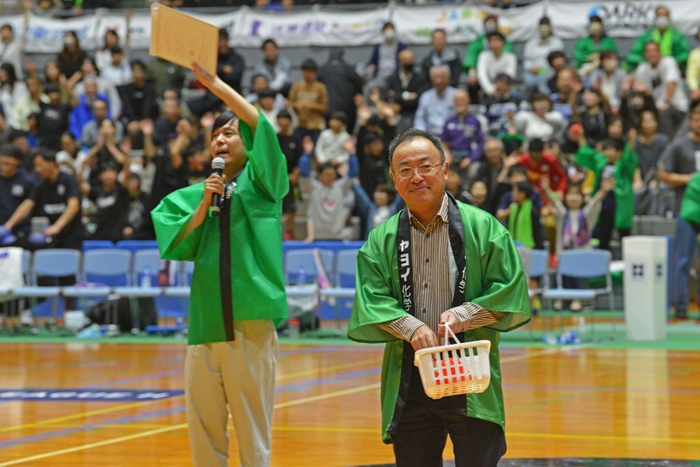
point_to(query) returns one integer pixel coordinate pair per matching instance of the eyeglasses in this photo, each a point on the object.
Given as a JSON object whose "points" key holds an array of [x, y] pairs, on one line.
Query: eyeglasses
{"points": [[424, 170]]}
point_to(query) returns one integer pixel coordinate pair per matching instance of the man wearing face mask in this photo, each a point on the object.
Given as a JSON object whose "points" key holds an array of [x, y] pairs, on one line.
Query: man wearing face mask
{"points": [[588, 49], [384, 59], [672, 43], [537, 49], [405, 86]]}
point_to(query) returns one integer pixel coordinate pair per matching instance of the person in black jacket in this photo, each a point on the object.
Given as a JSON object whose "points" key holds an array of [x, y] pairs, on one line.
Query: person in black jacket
{"points": [[442, 56], [139, 100], [229, 68], [404, 87], [343, 83]]}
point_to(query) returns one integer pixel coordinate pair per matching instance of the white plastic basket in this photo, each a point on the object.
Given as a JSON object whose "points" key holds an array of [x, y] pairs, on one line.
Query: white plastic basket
{"points": [[455, 369]]}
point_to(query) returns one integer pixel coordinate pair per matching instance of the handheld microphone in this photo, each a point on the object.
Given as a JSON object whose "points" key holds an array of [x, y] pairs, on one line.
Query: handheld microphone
{"points": [[217, 164]]}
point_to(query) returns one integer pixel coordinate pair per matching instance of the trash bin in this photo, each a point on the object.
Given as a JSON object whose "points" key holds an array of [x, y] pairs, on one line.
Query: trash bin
{"points": [[645, 287]]}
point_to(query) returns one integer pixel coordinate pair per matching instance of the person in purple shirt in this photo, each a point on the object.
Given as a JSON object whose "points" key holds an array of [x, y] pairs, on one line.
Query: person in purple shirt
{"points": [[462, 135]]}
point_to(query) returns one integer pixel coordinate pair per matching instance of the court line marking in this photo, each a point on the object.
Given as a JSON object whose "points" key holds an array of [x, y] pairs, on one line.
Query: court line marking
{"points": [[606, 438], [179, 427]]}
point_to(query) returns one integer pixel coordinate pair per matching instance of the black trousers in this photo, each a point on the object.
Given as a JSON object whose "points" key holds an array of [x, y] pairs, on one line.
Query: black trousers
{"points": [[421, 433], [606, 224]]}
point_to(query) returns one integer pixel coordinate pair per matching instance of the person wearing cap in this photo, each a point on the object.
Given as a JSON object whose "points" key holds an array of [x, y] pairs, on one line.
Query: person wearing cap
{"points": [[16, 185], [672, 43], [309, 99], [53, 118], [238, 291], [537, 49], [588, 49], [56, 197], [692, 76]]}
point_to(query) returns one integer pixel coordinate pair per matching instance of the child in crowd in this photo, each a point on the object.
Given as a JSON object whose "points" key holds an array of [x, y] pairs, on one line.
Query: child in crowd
{"points": [[576, 219], [505, 191], [382, 206], [617, 161], [292, 149], [326, 216], [524, 222], [330, 146], [479, 193]]}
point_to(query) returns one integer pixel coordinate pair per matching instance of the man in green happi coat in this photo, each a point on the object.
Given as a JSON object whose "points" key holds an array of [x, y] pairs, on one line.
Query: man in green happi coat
{"points": [[437, 263], [238, 294]]}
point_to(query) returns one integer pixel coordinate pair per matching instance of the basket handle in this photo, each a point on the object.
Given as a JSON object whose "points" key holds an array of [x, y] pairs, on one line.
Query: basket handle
{"points": [[449, 332]]}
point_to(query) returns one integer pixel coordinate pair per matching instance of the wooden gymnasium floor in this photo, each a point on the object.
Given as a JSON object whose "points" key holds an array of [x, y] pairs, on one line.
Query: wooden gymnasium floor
{"points": [[572, 402]]}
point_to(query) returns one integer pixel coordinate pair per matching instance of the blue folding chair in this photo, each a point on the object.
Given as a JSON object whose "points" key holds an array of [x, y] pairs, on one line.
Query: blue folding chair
{"points": [[52, 263], [539, 260], [346, 261], [143, 260], [583, 264], [111, 267], [135, 245], [97, 245]]}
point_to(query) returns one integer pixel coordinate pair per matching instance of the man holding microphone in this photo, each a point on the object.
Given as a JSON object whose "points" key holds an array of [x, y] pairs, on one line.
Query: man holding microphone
{"points": [[238, 295]]}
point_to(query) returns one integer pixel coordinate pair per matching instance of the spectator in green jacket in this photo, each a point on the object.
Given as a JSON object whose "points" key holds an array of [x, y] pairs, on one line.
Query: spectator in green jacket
{"points": [[671, 42], [588, 49]]}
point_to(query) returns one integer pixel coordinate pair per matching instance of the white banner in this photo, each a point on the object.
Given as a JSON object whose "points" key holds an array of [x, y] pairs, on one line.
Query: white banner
{"points": [[463, 23], [621, 19], [324, 28]]}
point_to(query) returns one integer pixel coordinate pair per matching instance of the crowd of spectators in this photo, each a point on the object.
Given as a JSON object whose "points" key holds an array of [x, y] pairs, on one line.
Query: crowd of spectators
{"points": [[564, 153]]}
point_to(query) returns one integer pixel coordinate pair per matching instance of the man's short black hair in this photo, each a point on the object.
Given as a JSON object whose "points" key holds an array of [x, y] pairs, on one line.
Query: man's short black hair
{"points": [[553, 55], [517, 169], [51, 87], [325, 166], [15, 134], [138, 63], [267, 92], [46, 154], [338, 115], [618, 144], [284, 113], [223, 119], [497, 34], [116, 50], [504, 78], [372, 136], [525, 187], [269, 41], [410, 135], [223, 32], [309, 64], [191, 150], [11, 150], [535, 145]]}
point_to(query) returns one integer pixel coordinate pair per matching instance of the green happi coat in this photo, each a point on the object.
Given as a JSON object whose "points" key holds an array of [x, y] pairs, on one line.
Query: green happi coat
{"points": [[257, 281], [495, 281], [690, 209]]}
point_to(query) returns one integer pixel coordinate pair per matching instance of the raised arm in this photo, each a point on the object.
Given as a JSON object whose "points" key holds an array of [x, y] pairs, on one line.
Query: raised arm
{"points": [[241, 107]]}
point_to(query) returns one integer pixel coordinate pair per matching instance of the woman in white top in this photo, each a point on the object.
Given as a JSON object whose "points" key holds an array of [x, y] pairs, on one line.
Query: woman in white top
{"points": [[11, 90]]}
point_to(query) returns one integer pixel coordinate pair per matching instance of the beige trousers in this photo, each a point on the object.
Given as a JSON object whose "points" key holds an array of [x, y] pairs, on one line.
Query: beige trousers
{"points": [[240, 374]]}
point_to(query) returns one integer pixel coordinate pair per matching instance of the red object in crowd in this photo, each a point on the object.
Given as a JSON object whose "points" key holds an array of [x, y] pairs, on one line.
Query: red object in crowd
{"points": [[576, 129]]}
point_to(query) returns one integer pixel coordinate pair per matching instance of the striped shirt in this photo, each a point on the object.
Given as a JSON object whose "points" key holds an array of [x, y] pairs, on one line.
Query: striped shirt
{"points": [[434, 274]]}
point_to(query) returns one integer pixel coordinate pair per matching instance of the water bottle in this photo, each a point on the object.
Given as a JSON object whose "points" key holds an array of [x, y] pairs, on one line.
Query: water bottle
{"points": [[294, 328], [301, 275], [146, 278]]}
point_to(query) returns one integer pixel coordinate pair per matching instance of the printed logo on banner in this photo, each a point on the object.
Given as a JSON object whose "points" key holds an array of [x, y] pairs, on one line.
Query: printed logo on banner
{"points": [[631, 15], [85, 395]]}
